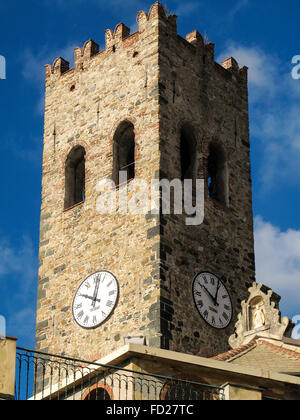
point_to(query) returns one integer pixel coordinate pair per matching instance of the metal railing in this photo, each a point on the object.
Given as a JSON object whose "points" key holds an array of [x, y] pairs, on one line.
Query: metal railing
{"points": [[42, 376]]}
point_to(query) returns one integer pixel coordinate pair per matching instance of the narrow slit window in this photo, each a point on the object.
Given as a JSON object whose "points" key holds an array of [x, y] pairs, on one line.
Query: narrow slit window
{"points": [[124, 152], [217, 174], [75, 177]]}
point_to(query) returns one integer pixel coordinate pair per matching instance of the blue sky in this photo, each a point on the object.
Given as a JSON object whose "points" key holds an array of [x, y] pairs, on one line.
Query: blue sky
{"points": [[262, 35]]}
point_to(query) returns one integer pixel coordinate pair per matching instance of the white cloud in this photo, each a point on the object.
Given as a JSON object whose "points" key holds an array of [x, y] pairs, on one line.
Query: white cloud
{"points": [[274, 112], [240, 4], [20, 261], [18, 285], [263, 69], [28, 150], [21, 324], [34, 62], [186, 8], [278, 262], [34, 70]]}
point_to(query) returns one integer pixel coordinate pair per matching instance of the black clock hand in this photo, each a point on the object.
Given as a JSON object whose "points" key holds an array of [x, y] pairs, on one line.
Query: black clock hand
{"points": [[209, 294], [217, 292], [96, 291], [91, 298]]}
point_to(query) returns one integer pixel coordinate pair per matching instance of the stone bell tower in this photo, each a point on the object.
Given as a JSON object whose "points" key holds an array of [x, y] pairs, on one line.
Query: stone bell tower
{"points": [[159, 107]]}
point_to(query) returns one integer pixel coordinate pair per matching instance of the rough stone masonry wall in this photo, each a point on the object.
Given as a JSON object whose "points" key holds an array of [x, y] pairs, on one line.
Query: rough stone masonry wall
{"points": [[158, 81], [213, 100], [84, 106]]}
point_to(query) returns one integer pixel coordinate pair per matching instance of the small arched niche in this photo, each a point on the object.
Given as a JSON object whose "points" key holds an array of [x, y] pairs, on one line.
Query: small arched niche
{"points": [[188, 153], [217, 174], [75, 177], [124, 151], [257, 315]]}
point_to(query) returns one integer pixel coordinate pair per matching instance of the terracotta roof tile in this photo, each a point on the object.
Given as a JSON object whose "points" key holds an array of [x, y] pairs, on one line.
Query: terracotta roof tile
{"points": [[281, 350], [224, 357], [235, 352]]}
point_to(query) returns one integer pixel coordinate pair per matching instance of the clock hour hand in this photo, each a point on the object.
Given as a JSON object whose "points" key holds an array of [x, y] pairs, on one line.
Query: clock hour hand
{"points": [[90, 297]]}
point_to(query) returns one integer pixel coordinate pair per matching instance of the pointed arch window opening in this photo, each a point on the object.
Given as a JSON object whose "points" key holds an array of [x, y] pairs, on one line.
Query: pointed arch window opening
{"points": [[188, 159], [217, 174], [75, 192], [98, 394], [124, 152]]}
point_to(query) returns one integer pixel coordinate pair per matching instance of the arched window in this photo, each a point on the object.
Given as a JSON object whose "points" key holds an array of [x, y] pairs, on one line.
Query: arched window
{"points": [[98, 392], [75, 177], [188, 153], [217, 174], [124, 151]]}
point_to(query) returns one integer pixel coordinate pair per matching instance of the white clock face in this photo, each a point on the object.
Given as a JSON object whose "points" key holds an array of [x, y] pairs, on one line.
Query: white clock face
{"points": [[212, 300], [95, 299]]}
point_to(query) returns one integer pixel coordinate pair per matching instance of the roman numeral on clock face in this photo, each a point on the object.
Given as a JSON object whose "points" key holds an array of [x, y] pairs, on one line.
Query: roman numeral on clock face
{"points": [[80, 315], [225, 316]]}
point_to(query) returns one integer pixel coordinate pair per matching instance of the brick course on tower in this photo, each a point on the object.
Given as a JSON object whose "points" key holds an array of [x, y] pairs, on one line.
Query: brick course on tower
{"points": [[160, 83]]}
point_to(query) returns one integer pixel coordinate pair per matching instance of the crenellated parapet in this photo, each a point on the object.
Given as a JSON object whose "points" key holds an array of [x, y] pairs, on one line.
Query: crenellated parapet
{"points": [[112, 38], [231, 65], [59, 67], [156, 11], [83, 54], [120, 37], [196, 39]]}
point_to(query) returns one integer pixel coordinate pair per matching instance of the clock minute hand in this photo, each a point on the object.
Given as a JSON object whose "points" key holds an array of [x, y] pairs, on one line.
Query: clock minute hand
{"points": [[96, 291], [208, 292], [217, 292]]}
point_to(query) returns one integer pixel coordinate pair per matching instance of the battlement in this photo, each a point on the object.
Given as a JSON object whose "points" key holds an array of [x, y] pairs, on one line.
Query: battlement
{"points": [[120, 37]]}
